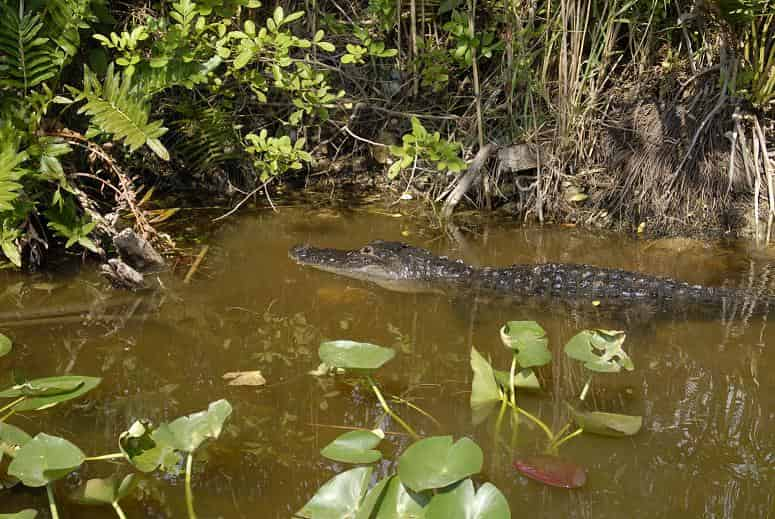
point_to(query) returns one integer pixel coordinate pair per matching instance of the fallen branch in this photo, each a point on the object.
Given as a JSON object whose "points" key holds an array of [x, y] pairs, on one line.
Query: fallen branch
{"points": [[465, 182]]}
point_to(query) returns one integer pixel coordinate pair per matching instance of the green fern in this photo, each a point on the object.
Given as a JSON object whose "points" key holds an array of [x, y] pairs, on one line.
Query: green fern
{"points": [[204, 138], [64, 20], [119, 111], [26, 57], [10, 172]]}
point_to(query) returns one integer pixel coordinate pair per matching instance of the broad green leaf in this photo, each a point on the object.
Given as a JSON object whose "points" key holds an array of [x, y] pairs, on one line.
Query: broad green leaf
{"points": [[399, 502], [373, 497], [104, 491], [28, 513], [436, 462], [80, 385], [147, 448], [461, 502], [11, 439], [607, 424], [340, 497], [44, 459], [600, 350], [485, 394], [523, 379], [190, 431], [529, 342], [5, 345], [355, 447], [351, 355]]}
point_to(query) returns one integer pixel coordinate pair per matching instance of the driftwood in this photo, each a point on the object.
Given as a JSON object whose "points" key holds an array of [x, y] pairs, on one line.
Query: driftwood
{"points": [[122, 275], [136, 252], [466, 181]]}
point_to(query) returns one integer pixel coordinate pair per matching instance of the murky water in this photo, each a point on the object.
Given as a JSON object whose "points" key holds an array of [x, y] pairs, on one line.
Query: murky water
{"points": [[704, 387]]}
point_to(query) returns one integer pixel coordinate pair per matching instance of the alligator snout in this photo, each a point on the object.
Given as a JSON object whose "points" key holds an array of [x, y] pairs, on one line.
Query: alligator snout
{"points": [[298, 252]]}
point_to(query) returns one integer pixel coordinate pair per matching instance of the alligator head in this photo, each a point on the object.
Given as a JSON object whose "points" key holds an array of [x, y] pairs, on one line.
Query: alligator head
{"points": [[392, 265]]}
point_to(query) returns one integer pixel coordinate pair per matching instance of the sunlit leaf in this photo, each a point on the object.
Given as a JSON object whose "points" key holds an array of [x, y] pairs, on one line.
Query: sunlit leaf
{"points": [[147, 448], [80, 385], [399, 502], [5, 345], [529, 342], [355, 447], [340, 497], [600, 350], [523, 379], [351, 355], [608, 424], [485, 394], [28, 513], [104, 491], [436, 462], [190, 431], [44, 459], [462, 502]]}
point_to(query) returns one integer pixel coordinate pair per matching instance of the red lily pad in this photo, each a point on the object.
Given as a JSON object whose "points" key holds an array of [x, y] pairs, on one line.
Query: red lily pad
{"points": [[552, 471]]}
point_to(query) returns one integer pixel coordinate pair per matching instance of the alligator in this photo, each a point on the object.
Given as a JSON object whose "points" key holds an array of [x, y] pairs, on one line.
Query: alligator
{"points": [[400, 267]]}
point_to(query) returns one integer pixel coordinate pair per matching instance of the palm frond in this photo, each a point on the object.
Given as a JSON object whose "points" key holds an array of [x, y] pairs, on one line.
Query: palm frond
{"points": [[119, 111]]}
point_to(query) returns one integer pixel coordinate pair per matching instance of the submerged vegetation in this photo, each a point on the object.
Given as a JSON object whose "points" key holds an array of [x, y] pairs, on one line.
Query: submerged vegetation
{"points": [[596, 112]]}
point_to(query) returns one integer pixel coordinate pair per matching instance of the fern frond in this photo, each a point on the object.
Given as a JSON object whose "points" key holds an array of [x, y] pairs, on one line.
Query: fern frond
{"points": [[10, 172], [149, 80], [26, 57], [65, 19], [204, 138], [119, 111]]}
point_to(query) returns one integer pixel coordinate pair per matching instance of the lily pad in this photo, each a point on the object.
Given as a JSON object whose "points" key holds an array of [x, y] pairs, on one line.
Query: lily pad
{"points": [[357, 356], [190, 431], [340, 497], [608, 424], [436, 462], [600, 350], [485, 394], [28, 513], [11, 436], [355, 447], [529, 342], [552, 471], [399, 502], [105, 491], [523, 379], [147, 448], [462, 502], [5, 345], [46, 392], [44, 459]]}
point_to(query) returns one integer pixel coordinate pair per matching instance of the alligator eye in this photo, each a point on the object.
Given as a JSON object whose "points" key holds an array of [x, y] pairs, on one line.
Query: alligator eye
{"points": [[368, 249]]}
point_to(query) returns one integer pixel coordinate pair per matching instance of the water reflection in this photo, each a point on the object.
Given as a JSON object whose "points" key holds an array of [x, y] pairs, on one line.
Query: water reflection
{"points": [[707, 447]]}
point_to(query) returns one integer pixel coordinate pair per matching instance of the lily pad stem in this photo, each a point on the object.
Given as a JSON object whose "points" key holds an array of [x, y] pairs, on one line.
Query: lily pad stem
{"points": [[189, 494], [585, 390], [569, 437], [112, 456], [512, 376], [389, 411], [417, 408], [12, 404], [52, 504], [119, 512], [536, 421], [499, 420]]}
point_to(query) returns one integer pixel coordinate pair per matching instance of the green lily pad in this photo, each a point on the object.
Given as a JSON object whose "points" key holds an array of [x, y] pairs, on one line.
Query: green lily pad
{"points": [[340, 497], [11, 437], [529, 342], [600, 350], [399, 502], [436, 462], [373, 497], [147, 448], [355, 447], [461, 502], [5, 345], [104, 491], [28, 513], [47, 392], [44, 459], [485, 394], [523, 379], [357, 356], [608, 424], [190, 431]]}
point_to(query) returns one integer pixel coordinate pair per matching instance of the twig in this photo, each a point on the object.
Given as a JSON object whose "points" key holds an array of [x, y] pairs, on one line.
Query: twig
{"points": [[242, 202], [473, 172], [195, 264]]}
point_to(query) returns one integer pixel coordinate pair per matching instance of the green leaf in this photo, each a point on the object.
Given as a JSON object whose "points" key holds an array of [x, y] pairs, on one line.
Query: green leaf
{"points": [[462, 502], [485, 394], [398, 502], [340, 497], [190, 431], [79, 386], [436, 462], [147, 448], [523, 379], [600, 350], [529, 342], [357, 356], [44, 459], [5, 345], [607, 424], [326, 46], [28, 513], [373, 497], [355, 447], [104, 491]]}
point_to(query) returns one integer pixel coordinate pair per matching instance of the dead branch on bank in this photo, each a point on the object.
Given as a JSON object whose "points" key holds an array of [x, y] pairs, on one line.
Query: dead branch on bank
{"points": [[466, 180]]}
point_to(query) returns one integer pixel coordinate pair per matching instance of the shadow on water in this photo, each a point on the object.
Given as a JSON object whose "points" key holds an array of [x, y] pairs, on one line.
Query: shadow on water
{"points": [[702, 384]]}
